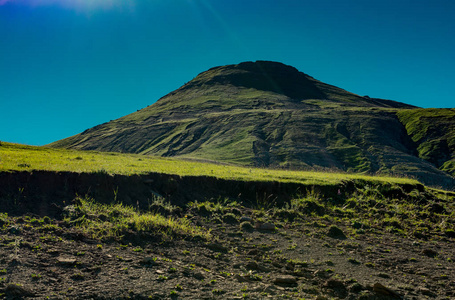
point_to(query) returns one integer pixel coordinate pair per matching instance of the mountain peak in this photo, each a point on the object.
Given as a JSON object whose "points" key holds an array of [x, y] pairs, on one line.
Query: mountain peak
{"points": [[269, 114], [264, 76]]}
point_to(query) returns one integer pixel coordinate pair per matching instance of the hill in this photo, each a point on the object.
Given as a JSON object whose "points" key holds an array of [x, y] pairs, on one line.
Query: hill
{"points": [[99, 225], [268, 114]]}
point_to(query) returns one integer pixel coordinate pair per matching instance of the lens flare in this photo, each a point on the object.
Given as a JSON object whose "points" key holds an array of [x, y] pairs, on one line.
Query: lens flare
{"points": [[81, 5]]}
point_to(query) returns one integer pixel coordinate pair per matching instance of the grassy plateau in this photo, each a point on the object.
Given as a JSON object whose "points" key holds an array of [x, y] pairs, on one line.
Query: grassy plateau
{"points": [[15, 157]]}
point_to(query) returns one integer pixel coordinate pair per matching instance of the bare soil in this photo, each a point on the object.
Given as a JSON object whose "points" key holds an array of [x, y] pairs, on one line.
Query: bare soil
{"points": [[302, 260], [255, 253]]}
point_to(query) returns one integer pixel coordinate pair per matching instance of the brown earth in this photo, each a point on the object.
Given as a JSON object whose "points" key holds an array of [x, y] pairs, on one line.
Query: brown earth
{"points": [[255, 253]]}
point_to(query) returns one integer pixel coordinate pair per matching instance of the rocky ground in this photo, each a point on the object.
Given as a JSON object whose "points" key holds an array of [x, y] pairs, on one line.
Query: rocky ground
{"points": [[253, 253]]}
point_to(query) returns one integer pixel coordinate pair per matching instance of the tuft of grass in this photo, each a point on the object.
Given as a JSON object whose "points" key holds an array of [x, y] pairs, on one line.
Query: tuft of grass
{"points": [[121, 218]]}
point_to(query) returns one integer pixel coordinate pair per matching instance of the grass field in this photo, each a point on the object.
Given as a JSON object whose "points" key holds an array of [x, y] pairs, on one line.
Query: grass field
{"points": [[15, 157]]}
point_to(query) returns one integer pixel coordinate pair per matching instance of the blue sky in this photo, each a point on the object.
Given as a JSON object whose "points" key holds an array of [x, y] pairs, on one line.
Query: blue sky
{"points": [[68, 65]]}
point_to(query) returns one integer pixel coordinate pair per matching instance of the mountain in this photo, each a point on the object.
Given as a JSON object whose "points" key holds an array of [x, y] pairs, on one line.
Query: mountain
{"points": [[268, 114]]}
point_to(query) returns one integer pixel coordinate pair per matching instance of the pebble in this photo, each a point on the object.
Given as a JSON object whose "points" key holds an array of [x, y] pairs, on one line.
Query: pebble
{"points": [[265, 226], [285, 279], [426, 292], [149, 261], [66, 260], [246, 219], [382, 290], [17, 291], [430, 253]]}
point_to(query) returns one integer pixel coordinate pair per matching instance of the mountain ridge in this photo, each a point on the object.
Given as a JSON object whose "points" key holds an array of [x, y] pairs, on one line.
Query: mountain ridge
{"points": [[269, 114]]}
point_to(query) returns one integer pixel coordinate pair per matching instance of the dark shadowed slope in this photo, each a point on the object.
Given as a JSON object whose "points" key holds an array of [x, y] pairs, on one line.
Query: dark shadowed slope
{"points": [[270, 114]]}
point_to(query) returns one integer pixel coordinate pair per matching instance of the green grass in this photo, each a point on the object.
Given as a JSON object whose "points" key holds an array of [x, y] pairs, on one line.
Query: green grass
{"points": [[117, 219], [419, 122], [15, 157], [433, 130]]}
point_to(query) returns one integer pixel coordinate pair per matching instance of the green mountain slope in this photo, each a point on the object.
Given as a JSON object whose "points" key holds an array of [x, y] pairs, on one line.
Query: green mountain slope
{"points": [[433, 131], [270, 114]]}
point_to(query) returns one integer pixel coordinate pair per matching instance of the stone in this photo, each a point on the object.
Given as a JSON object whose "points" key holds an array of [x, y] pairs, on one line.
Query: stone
{"points": [[285, 279], [426, 292], [230, 219], [271, 289], [356, 288], [265, 226], [66, 260], [252, 265], [17, 291], [385, 291], [337, 286], [14, 229], [240, 278], [198, 275], [335, 232], [217, 247], [245, 219], [149, 261], [430, 253]]}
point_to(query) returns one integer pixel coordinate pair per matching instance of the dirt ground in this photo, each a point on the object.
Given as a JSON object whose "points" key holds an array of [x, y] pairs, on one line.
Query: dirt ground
{"points": [[246, 259]]}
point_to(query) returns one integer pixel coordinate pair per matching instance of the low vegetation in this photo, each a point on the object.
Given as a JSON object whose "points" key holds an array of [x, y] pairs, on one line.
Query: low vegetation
{"points": [[433, 131], [114, 221], [382, 237], [269, 115], [15, 157], [365, 245]]}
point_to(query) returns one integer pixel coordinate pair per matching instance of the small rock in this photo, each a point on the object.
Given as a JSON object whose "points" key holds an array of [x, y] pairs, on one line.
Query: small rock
{"points": [[53, 252], [230, 219], [198, 275], [217, 247], [335, 232], [265, 226], [149, 261], [430, 253], [383, 275], [240, 278], [66, 260], [357, 225], [437, 208], [17, 291], [271, 289], [285, 279], [420, 235], [253, 252], [356, 288], [426, 292], [252, 265], [321, 274], [245, 219], [334, 284], [338, 287], [14, 230], [382, 290], [161, 272], [236, 211]]}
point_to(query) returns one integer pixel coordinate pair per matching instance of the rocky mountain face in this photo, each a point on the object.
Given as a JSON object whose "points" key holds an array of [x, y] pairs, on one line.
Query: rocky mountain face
{"points": [[268, 114]]}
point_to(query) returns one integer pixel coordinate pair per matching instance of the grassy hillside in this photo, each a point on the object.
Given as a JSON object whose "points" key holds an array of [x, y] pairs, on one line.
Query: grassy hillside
{"points": [[267, 114], [433, 132], [107, 233], [15, 157]]}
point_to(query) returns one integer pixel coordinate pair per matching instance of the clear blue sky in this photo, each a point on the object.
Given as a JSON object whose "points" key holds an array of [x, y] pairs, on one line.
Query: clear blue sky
{"points": [[68, 65]]}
